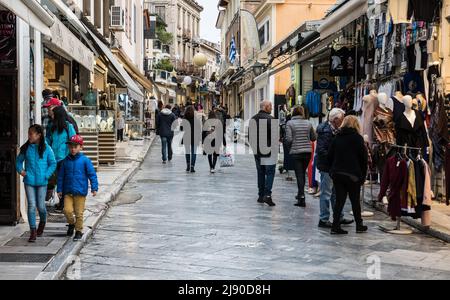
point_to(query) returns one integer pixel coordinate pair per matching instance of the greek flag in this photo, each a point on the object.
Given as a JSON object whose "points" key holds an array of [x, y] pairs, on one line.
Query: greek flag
{"points": [[232, 54]]}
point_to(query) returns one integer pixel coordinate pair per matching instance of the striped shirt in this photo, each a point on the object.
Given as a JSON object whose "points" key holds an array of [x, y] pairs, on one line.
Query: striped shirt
{"points": [[299, 135]]}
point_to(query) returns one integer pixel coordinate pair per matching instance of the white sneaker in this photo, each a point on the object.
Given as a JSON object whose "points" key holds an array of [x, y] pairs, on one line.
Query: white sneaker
{"points": [[213, 171]]}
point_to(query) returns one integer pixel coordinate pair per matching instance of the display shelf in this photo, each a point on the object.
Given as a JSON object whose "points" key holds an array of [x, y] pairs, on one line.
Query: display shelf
{"points": [[90, 147], [107, 147]]}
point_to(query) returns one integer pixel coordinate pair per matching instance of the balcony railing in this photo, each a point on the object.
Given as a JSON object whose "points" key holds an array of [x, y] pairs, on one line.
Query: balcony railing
{"points": [[188, 69]]}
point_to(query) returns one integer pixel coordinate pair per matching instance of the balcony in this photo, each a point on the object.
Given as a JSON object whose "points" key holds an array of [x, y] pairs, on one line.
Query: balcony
{"points": [[184, 68], [187, 35]]}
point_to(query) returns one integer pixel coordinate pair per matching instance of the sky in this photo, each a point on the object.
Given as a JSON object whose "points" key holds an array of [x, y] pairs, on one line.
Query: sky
{"points": [[208, 19]]}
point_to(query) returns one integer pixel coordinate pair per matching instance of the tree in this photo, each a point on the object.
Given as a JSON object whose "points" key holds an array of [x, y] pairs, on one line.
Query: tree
{"points": [[164, 64], [165, 37]]}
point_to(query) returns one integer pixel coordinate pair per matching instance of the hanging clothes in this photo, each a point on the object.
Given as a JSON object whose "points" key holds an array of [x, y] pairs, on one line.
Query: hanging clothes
{"points": [[399, 108], [395, 178], [314, 103], [427, 11], [383, 126], [439, 132], [447, 172], [413, 136]]}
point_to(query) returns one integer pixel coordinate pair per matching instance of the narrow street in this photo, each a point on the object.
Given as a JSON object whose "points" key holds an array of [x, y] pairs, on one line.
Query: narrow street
{"points": [[168, 224]]}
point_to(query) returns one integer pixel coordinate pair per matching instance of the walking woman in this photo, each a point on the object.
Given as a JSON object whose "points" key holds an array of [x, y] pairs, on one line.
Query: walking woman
{"points": [[348, 158], [40, 164], [60, 133], [299, 135], [120, 126], [191, 126], [209, 140]]}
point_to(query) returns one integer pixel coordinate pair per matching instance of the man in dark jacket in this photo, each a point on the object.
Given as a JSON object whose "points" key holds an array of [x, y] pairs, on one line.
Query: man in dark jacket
{"points": [[265, 150], [325, 135], [164, 128]]}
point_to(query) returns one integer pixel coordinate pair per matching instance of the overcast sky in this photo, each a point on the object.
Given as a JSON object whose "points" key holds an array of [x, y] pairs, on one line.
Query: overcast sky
{"points": [[208, 17]]}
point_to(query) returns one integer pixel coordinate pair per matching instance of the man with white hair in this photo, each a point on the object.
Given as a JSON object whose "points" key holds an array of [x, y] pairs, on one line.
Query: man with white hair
{"points": [[325, 135]]}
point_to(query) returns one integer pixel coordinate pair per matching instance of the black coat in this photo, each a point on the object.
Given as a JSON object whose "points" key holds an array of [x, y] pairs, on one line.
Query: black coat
{"points": [[325, 137], [164, 122], [348, 155], [253, 133]]}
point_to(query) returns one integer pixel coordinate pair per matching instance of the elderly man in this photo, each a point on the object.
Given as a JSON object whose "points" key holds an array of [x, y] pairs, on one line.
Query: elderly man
{"points": [[264, 150], [325, 135]]}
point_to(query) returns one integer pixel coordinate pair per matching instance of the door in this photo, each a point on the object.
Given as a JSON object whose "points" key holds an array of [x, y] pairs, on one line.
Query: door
{"points": [[9, 201]]}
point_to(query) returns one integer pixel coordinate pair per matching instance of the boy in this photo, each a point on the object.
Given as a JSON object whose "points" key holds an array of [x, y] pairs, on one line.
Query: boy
{"points": [[76, 170]]}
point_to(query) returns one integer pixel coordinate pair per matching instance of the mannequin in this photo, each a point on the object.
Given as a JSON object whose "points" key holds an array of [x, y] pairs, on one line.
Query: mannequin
{"points": [[410, 127], [370, 103], [421, 102], [398, 108], [384, 132]]}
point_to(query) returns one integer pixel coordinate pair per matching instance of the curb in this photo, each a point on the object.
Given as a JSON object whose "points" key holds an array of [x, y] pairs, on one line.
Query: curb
{"points": [[66, 256], [413, 223]]}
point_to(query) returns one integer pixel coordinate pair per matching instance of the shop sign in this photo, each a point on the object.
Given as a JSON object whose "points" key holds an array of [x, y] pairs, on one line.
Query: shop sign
{"points": [[8, 41], [65, 40], [247, 82]]}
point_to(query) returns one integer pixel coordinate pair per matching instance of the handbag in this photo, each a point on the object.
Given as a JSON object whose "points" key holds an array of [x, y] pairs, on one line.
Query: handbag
{"points": [[226, 160]]}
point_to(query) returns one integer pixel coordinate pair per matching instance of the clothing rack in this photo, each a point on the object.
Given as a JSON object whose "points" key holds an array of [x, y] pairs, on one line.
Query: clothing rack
{"points": [[397, 229]]}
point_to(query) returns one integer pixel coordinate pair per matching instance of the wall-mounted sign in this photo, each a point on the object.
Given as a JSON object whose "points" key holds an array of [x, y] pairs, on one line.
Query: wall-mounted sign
{"points": [[8, 40]]}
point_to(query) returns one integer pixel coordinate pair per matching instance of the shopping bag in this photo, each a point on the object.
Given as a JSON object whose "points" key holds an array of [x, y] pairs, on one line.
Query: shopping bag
{"points": [[226, 160]]}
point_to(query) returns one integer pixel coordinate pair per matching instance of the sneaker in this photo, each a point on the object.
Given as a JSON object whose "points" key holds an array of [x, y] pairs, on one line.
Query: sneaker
{"points": [[188, 169], [301, 201], [213, 171], [192, 170], [164, 162], [260, 200], [70, 230], [78, 236], [360, 228], [346, 221], [338, 231], [325, 224], [268, 201]]}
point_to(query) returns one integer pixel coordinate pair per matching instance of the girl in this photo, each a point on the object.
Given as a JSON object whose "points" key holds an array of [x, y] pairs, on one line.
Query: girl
{"points": [[60, 133], [40, 164]]}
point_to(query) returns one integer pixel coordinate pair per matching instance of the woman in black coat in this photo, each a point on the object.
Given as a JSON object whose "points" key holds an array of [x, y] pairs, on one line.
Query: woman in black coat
{"points": [[192, 127], [348, 158]]}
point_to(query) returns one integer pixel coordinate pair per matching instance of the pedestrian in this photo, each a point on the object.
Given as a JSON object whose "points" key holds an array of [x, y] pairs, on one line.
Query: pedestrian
{"points": [[157, 111], [165, 119], [299, 137], [348, 160], [60, 132], [265, 160], [209, 140], [221, 115], [45, 117], [75, 172], [326, 133], [120, 126], [191, 126], [40, 164]]}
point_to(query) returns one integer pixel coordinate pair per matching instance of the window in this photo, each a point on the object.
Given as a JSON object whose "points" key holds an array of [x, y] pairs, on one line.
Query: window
{"points": [[135, 23], [264, 34], [261, 94], [161, 12], [87, 7]]}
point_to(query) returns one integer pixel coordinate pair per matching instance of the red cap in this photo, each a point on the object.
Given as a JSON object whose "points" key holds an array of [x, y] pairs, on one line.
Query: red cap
{"points": [[76, 139], [52, 102]]}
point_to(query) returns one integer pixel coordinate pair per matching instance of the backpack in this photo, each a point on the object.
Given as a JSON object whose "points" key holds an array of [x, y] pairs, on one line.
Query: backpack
{"points": [[72, 121]]}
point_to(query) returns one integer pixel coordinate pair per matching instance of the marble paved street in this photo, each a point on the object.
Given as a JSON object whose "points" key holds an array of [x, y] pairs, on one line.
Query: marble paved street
{"points": [[168, 224]]}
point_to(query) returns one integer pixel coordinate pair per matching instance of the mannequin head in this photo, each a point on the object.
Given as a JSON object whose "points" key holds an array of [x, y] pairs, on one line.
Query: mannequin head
{"points": [[408, 102], [382, 99], [373, 93], [399, 95]]}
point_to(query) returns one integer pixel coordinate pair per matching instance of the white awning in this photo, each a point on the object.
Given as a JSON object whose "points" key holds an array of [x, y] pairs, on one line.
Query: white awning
{"points": [[133, 89], [31, 12], [349, 12], [67, 42], [71, 17], [162, 90]]}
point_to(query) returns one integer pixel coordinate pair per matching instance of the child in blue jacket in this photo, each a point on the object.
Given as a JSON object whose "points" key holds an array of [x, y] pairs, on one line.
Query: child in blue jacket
{"points": [[40, 164], [75, 172]]}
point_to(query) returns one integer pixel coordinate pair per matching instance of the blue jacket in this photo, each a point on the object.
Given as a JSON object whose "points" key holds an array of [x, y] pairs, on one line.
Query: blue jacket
{"points": [[74, 174], [58, 141], [324, 138], [38, 170]]}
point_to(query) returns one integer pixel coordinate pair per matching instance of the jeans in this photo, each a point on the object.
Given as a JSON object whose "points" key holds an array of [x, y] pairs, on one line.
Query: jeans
{"points": [[191, 157], [212, 159], [301, 162], [75, 205], [266, 176], [36, 198], [345, 186], [327, 196], [166, 147]]}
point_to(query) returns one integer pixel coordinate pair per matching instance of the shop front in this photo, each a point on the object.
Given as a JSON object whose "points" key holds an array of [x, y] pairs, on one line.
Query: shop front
{"points": [[21, 26]]}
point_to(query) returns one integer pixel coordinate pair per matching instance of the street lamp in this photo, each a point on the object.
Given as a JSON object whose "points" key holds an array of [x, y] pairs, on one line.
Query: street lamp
{"points": [[258, 68]]}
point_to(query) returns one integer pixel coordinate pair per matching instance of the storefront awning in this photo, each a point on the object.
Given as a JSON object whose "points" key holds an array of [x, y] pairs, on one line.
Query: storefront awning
{"points": [[63, 39], [162, 90], [71, 17], [172, 93], [342, 16], [133, 89], [31, 12]]}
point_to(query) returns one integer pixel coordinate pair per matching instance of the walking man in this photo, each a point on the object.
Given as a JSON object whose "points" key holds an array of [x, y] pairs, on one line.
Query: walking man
{"points": [[164, 120]]}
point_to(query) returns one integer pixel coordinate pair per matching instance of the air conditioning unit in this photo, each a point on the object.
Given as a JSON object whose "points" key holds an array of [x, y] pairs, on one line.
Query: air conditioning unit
{"points": [[117, 19]]}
